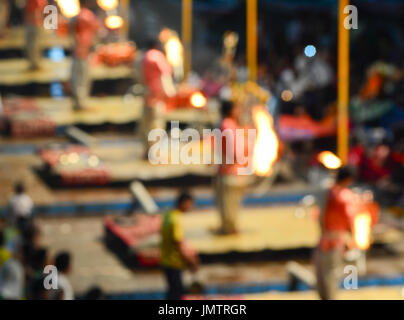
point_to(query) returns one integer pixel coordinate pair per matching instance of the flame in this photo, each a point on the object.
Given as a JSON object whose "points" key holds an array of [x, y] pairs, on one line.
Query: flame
{"points": [[69, 8], [362, 227], [113, 22], [174, 51], [107, 4], [329, 160], [266, 144], [198, 100]]}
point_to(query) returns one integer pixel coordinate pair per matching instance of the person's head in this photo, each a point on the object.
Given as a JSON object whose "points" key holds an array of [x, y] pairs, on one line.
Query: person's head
{"points": [[63, 262], [184, 202], [26, 252], [2, 238], [94, 293], [153, 44], [31, 235], [345, 176], [19, 188], [39, 259], [38, 290], [381, 151], [230, 110]]}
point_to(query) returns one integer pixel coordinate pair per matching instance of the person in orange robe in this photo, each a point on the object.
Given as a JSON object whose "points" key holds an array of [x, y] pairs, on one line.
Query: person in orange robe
{"points": [[230, 185], [337, 223], [85, 26], [34, 17], [157, 76]]}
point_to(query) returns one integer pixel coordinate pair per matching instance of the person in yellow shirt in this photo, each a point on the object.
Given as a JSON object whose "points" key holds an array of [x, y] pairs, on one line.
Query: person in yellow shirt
{"points": [[4, 253], [176, 255]]}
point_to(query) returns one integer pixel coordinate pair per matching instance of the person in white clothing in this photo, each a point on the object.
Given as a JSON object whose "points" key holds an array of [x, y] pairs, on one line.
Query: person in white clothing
{"points": [[64, 289], [12, 277], [21, 207]]}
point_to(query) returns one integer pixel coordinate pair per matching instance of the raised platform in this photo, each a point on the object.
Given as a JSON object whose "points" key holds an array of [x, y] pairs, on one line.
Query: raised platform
{"points": [[370, 293], [15, 72], [15, 40], [265, 234], [28, 117]]}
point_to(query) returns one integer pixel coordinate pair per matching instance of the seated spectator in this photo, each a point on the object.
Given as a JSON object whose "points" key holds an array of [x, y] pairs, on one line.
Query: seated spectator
{"points": [[356, 154], [4, 253], [377, 165], [36, 259], [38, 290], [12, 278], [65, 290], [94, 293]]}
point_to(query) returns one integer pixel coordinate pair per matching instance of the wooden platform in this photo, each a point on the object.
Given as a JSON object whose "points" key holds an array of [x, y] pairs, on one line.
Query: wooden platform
{"points": [[112, 109], [15, 72], [265, 234], [371, 293], [368, 293], [93, 264], [15, 39]]}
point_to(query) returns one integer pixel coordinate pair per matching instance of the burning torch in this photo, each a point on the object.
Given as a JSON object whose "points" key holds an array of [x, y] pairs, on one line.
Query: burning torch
{"points": [[365, 212], [174, 51]]}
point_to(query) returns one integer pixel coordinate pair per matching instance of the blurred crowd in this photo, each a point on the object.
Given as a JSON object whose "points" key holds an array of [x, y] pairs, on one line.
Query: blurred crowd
{"points": [[298, 66], [25, 272]]}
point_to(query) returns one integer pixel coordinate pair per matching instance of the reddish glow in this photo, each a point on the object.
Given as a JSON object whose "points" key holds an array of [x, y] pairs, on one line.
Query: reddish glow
{"points": [[266, 144], [165, 35]]}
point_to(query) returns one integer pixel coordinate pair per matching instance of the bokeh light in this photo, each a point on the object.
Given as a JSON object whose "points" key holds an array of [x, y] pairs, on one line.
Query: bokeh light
{"points": [[310, 51]]}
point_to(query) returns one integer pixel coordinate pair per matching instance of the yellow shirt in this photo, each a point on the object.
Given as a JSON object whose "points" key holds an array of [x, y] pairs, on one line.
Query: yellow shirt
{"points": [[4, 256], [172, 233]]}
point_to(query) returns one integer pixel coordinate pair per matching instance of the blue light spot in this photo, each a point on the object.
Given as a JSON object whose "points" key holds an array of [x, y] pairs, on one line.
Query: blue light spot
{"points": [[310, 51], [56, 89], [56, 54]]}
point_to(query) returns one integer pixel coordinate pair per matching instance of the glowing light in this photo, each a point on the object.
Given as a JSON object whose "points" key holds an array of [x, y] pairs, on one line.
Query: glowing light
{"points": [[114, 22], [64, 160], [198, 100], [310, 51], [73, 158], [329, 160], [69, 8], [174, 51], [266, 144], [93, 161], [362, 227], [287, 95], [107, 4]]}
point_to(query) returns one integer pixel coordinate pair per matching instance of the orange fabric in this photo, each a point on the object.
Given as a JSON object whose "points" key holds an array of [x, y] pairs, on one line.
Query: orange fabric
{"points": [[372, 87], [155, 65], [229, 136], [34, 12], [337, 219], [85, 29]]}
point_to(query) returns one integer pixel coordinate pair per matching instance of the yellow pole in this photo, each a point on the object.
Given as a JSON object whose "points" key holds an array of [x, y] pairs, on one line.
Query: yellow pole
{"points": [[187, 34], [125, 7], [252, 12], [343, 83]]}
